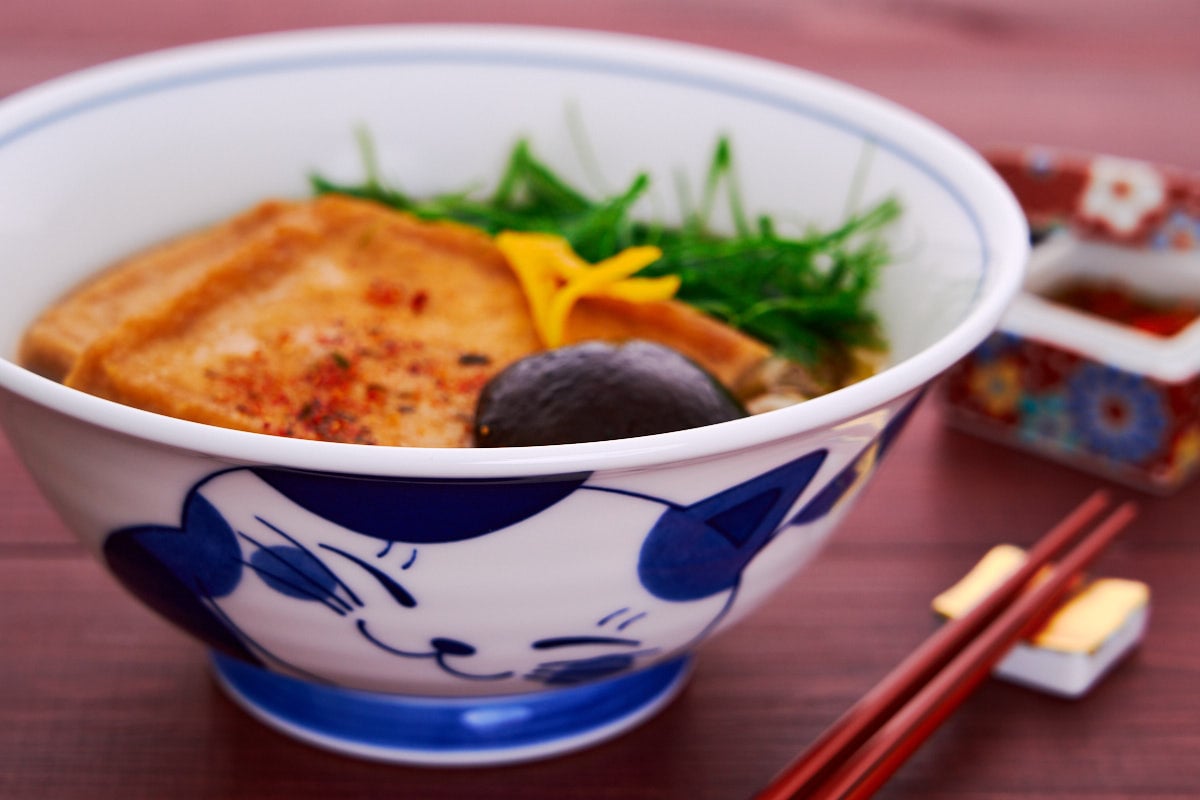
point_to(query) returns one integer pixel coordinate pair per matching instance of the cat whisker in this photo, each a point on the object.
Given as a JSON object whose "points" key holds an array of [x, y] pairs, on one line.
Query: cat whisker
{"points": [[625, 624], [393, 588], [320, 563], [314, 590], [610, 617], [412, 559], [302, 591]]}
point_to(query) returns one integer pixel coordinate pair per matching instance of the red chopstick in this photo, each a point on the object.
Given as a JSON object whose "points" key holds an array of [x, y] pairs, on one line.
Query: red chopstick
{"points": [[846, 761]]}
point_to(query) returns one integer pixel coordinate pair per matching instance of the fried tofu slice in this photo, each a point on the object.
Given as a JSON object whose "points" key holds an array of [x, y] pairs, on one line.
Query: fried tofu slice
{"points": [[724, 352], [356, 323], [57, 339], [353, 324]]}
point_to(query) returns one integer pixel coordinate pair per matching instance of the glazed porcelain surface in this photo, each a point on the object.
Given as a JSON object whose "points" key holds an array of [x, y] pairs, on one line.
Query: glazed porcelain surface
{"points": [[469, 606]]}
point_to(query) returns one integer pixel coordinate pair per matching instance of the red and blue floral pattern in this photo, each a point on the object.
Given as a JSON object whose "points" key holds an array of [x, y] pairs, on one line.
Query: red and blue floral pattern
{"points": [[1037, 393], [1118, 200]]}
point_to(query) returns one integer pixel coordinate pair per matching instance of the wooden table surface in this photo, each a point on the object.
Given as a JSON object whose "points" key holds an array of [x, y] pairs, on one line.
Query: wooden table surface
{"points": [[99, 699]]}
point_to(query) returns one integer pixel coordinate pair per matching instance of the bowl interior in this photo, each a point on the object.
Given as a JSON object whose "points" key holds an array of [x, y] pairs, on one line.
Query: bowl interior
{"points": [[98, 165]]}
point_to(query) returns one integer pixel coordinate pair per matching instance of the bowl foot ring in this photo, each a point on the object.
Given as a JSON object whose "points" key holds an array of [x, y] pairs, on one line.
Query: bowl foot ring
{"points": [[451, 731]]}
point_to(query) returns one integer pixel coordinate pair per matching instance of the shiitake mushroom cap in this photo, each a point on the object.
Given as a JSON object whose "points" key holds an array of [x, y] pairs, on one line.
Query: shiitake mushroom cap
{"points": [[597, 391]]}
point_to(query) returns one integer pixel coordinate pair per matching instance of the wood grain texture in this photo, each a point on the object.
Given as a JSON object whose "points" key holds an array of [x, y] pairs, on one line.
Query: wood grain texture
{"points": [[99, 699]]}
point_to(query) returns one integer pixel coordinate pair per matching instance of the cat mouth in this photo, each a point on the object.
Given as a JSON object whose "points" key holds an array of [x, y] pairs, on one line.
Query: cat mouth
{"points": [[441, 650]]}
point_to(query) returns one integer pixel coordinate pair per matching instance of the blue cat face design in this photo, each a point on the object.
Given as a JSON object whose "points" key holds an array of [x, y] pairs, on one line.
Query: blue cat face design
{"points": [[453, 587]]}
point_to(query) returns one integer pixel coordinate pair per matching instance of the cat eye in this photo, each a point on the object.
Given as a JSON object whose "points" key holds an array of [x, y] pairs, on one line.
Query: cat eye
{"points": [[579, 641]]}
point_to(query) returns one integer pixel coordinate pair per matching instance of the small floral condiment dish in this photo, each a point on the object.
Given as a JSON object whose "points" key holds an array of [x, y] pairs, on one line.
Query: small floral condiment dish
{"points": [[1097, 362]]}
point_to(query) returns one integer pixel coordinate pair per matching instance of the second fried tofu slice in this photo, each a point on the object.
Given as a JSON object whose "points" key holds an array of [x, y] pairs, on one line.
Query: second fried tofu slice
{"points": [[57, 339]]}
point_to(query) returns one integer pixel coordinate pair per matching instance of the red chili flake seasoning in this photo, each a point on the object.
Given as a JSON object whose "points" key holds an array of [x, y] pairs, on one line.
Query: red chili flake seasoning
{"points": [[419, 301], [329, 419], [333, 408], [323, 401], [334, 371], [384, 293], [471, 384], [246, 384], [348, 382], [1118, 303]]}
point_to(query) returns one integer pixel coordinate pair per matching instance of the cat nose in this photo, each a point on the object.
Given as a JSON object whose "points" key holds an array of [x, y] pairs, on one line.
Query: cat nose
{"points": [[451, 647]]}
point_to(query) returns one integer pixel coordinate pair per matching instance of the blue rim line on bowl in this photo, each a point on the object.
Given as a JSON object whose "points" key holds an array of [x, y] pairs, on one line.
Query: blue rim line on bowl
{"points": [[498, 57]]}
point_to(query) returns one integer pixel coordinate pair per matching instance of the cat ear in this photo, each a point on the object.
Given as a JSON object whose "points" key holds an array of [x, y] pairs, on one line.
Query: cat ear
{"points": [[178, 570], [853, 473], [698, 550], [419, 511]]}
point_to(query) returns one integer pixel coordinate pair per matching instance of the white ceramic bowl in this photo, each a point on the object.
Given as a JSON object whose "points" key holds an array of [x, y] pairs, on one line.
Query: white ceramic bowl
{"points": [[467, 606]]}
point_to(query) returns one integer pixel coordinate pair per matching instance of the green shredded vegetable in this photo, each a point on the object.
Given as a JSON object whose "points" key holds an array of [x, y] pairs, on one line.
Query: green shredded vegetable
{"points": [[805, 296]]}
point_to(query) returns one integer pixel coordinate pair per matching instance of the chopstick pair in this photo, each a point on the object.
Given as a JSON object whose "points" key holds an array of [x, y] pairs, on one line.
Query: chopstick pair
{"points": [[867, 744]]}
